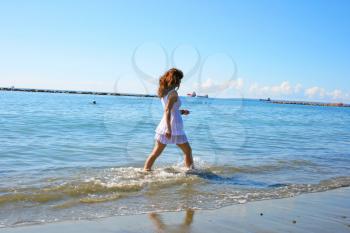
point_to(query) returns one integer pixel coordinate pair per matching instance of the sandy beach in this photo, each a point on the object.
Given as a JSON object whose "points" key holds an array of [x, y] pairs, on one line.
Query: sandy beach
{"points": [[316, 212]]}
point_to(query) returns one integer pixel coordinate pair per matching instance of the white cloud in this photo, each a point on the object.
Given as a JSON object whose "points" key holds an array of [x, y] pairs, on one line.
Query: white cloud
{"points": [[347, 96], [313, 92], [337, 94], [254, 88], [286, 89], [283, 89], [209, 86], [237, 84], [298, 88]]}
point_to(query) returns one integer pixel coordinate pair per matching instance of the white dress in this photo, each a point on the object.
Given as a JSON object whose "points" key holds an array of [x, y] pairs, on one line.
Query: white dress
{"points": [[178, 135]]}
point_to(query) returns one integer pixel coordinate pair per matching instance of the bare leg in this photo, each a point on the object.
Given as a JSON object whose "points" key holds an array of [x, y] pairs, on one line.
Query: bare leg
{"points": [[157, 150], [187, 150]]}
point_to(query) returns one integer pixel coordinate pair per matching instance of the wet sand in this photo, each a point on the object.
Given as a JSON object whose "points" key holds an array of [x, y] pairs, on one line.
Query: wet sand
{"points": [[316, 212]]}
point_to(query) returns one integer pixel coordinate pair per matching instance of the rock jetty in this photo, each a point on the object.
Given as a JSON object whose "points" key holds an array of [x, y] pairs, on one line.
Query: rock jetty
{"points": [[73, 92], [306, 103]]}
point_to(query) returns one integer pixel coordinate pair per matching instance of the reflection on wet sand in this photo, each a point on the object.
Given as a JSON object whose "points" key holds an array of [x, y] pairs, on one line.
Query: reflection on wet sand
{"points": [[162, 227]]}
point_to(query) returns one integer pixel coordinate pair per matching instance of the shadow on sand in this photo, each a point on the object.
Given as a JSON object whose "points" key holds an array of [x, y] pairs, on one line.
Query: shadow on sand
{"points": [[162, 227]]}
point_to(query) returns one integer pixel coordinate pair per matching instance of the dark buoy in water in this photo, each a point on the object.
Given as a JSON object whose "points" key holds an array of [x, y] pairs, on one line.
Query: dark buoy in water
{"points": [[94, 102]]}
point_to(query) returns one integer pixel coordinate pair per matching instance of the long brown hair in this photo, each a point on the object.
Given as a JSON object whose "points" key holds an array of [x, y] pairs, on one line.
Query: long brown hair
{"points": [[169, 80]]}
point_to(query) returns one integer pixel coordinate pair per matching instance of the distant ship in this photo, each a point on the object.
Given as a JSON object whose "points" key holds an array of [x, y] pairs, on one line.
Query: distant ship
{"points": [[194, 94]]}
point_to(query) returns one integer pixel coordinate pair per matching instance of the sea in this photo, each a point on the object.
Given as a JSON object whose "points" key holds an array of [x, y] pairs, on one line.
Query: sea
{"points": [[64, 158]]}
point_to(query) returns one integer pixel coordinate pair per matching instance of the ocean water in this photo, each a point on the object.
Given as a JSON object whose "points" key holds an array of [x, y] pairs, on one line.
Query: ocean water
{"points": [[64, 158]]}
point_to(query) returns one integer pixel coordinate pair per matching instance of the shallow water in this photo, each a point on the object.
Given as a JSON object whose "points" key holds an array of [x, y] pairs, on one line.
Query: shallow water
{"points": [[64, 158]]}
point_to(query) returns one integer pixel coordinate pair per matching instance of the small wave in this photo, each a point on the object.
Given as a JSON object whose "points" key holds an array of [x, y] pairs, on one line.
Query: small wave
{"points": [[90, 199], [92, 196], [278, 191], [109, 184], [263, 168], [106, 185]]}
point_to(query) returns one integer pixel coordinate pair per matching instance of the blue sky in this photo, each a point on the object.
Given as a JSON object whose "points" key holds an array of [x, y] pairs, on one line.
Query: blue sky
{"points": [[281, 49]]}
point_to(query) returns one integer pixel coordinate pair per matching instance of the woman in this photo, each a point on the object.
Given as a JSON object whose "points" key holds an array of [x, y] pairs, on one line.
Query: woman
{"points": [[170, 129]]}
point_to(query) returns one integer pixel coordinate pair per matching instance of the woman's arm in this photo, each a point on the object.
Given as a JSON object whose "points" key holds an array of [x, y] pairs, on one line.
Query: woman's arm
{"points": [[172, 98]]}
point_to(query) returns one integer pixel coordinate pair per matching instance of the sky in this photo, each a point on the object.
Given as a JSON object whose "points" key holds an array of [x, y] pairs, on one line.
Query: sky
{"points": [[282, 49]]}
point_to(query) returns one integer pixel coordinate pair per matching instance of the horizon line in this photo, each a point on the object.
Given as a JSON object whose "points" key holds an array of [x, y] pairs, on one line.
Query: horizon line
{"points": [[49, 90]]}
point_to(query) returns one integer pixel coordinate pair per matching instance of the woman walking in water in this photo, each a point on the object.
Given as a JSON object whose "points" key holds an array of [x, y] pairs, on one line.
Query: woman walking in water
{"points": [[170, 129]]}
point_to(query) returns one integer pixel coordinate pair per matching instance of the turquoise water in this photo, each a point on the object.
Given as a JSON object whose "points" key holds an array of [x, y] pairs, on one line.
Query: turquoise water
{"points": [[63, 158]]}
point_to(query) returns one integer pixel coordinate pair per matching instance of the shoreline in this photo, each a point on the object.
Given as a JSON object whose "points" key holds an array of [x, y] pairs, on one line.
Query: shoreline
{"points": [[314, 212]]}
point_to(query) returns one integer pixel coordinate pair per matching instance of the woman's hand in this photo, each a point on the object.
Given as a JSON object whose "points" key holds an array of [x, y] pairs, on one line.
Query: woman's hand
{"points": [[184, 112], [168, 134]]}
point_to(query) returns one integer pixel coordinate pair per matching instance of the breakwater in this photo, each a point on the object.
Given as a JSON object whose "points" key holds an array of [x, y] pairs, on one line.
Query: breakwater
{"points": [[306, 103], [73, 92]]}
